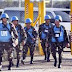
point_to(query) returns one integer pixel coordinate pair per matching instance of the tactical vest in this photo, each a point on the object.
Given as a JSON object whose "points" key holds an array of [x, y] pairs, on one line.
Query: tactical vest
{"points": [[29, 33], [58, 34], [5, 35], [45, 31]]}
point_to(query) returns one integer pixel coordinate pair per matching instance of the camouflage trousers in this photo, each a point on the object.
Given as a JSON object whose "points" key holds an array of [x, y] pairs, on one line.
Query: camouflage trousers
{"points": [[18, 53], [54, 47], [46, 50], [8, 47], [25, 49]]}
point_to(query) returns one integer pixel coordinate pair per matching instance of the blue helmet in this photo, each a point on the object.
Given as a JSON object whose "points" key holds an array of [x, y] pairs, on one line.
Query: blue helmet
{"points": [[14, 18], [28, 20], [4, 15], [47, 17], [58, 17]]}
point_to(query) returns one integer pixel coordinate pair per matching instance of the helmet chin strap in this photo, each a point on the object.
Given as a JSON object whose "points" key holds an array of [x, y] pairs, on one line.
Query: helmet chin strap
{"points": [[5, 23]]}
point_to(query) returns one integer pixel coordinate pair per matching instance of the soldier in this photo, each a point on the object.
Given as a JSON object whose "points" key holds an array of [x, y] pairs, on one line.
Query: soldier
{"points": [[44, 34], [31, 38], [21, 37], [59, 39], [6, 31]]}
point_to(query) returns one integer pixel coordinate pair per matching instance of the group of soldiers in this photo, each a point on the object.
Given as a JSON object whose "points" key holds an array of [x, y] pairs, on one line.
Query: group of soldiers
{"points": [[12, 35]]}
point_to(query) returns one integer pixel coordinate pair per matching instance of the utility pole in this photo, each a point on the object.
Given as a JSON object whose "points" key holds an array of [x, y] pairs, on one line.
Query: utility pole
{"points": [[20, 3], [52, 3]]}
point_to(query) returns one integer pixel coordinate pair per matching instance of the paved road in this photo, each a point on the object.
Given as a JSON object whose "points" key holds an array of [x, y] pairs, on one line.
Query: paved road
{"points": [[42, 66]]}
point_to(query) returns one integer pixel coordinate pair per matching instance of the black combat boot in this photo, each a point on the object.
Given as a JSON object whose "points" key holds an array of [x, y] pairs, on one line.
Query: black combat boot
{"points": [[59, 65], [31, 62], [45, 57], [17, 63], [10, 64], [48, 60], [0, 67], [23, 58], [55, 63], [60, 60], [0, 62]]}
